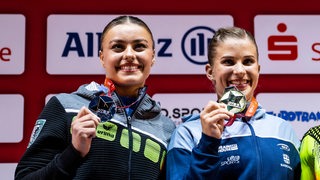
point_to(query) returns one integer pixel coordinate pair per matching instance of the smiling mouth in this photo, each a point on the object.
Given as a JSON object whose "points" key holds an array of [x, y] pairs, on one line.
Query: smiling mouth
{"points": [[238, 82], [129, 68]]}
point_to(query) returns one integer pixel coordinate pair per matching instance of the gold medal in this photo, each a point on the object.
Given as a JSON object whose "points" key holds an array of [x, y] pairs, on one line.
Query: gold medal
{"points": [[234, 99]]}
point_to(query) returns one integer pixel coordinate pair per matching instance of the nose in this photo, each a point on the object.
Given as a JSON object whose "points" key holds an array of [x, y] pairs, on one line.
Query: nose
{"points": [[129, 54], [239, 69]]}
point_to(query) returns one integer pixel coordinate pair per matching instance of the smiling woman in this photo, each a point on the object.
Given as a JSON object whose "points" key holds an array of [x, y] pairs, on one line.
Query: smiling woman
{"points": [[227, 140], [127, 54], [114, 127]]}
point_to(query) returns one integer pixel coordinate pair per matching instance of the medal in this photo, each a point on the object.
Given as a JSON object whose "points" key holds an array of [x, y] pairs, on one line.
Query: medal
{"points": [[236, 102], [103, 106], [234, 99]]}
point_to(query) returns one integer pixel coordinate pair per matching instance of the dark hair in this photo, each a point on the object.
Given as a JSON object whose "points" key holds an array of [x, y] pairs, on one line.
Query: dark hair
{"points": [[225, 33], [122, 20]]}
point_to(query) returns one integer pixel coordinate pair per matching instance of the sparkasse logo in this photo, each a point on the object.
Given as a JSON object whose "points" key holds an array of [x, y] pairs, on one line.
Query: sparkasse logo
{"points": [[288, 44], [282, 47]]}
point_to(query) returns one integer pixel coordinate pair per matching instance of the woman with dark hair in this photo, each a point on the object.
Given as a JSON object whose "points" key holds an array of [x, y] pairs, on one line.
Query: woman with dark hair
{"points": [[112, 130]]}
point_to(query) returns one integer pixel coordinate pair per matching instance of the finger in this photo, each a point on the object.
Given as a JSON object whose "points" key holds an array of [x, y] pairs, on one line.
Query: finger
{"points": [[86, 114], [87, 124], [81, 113], [220, 113], [91, 117], [88, 132], [211, 105], [84, 129]]}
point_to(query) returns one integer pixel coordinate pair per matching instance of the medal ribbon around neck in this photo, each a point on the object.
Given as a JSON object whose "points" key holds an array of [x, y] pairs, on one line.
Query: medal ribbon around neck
{"points": [[236, 102], [103, 104], [109, 84]]}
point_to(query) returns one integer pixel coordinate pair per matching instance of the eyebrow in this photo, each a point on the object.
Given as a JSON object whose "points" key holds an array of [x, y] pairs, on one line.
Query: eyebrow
{"points": [[251, 56], [122, 41]]}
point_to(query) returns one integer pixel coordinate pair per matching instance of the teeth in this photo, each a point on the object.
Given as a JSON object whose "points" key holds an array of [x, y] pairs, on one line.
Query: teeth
{"points": [[129, 68], [237, 82]]}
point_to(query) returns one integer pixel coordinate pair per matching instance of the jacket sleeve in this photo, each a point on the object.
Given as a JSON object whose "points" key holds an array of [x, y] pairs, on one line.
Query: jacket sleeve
{"points": [[307, 158], [50, 154], [188, 160], [205, 159]]}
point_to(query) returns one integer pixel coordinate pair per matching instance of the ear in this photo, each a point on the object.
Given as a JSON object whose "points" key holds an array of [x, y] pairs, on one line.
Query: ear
{"points": [[153, 61], [153, 58], [101, 58], [209, 72]]}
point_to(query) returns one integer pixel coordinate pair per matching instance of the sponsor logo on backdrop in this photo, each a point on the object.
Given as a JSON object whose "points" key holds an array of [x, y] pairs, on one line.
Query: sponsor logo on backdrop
{"points": [[180, 40], [288, 44], [12, 44], [195, 42], [300, 109], [11, 110], [176, 106], [282, 47]]}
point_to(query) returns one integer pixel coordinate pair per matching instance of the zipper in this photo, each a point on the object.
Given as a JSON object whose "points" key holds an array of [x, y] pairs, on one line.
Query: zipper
{"points": [[130, 145], [130, 136], [259, 164]]}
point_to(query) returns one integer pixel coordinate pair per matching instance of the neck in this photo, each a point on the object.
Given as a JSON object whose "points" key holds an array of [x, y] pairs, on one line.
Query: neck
{"points": [[127, 91]]}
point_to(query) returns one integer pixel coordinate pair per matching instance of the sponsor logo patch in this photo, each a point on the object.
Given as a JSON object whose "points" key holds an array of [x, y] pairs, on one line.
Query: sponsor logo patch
{"points": [[36, 130]]}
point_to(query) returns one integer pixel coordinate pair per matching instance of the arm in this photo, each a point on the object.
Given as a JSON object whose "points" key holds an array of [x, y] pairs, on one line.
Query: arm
{"points": [[188, 159], [205, 159], [307, 158], [179, 152], [51, 155], [200, 162]]}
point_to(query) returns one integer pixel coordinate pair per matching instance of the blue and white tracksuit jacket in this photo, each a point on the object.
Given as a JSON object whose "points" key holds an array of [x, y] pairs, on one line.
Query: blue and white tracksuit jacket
{"points": [[265, 147]]}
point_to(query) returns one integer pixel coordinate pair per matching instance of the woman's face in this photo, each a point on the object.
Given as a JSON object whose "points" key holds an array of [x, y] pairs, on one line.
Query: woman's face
{"points": [[127, 55], [235, 64]]}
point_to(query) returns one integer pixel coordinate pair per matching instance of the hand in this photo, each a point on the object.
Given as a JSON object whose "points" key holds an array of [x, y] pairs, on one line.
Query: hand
{"points": [[212, 118], [83, 129]]}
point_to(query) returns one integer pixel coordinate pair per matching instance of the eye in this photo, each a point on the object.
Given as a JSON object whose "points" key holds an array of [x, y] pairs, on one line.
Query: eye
{"points": [[140, 47], [248, 61], [118, 47], [228, 62]]}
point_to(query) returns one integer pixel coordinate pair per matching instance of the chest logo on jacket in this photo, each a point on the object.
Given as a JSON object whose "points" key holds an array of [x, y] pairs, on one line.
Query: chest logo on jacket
{"points": [[225, 148], [107, 131], [150, 148]]}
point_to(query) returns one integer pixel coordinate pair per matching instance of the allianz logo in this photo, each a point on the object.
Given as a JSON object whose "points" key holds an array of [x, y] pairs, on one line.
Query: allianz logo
{"points": [[193, 44]]}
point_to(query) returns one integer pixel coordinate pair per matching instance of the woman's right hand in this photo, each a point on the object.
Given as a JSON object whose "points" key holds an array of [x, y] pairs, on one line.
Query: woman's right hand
{"points": [[212, 118], [83, 129]]}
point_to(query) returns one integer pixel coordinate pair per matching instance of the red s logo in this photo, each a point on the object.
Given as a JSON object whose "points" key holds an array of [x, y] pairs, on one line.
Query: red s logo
{"points": [[282, 47]]}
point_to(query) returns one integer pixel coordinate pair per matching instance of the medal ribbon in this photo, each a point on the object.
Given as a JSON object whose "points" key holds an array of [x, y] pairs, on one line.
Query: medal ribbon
{"points": [[109, 84], [103, 104], [249, 113]]}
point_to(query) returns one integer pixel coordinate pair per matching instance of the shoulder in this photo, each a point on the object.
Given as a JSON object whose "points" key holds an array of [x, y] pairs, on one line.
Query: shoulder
{"points": [[187, 134], [280, 129], [276, 120], [277, 123], [314, 133], [71, 101]]}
